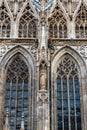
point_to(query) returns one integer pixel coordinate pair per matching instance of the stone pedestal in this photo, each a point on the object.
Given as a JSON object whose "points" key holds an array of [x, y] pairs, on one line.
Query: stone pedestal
{"points": [[42, 110]]}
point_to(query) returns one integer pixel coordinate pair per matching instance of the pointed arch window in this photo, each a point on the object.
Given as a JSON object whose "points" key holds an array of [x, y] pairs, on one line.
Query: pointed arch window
{"points": [[57, 24], [68, 96], [27, 24], [17, 93], [81, 23], [4, 22]]}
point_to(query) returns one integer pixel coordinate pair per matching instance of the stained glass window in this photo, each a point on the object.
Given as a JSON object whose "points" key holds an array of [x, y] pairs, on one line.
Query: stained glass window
{"points": [[16, 98], [68, 96]]}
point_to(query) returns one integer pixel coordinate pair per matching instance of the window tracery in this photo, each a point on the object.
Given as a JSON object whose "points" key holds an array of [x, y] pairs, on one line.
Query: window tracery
{"points": [[4, 22], [19, 5], [68, 96], [27, 24], [57, 24], [74, 4], [81, 23], [17, 93]]}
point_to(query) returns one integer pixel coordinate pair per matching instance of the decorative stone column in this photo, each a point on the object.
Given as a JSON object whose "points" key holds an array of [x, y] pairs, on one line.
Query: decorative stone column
{"points": [[2, 86], [6, 125], [43, 119], [1, 2], [22, 122]]}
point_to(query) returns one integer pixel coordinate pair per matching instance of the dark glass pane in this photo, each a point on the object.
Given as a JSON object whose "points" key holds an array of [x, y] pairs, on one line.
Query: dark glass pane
{"points": [[72, 120], [65, 103], [77, 96], [65, 95], [13, 94], [71, 94], [58, 84], [7, 104], [76, 83], [7, 94], [25, 86], [14, 87], [59, 96], [8, 87], [20, 95], [71, 84], [59, 103], [66, 122], [64, 83], [59, 119]]}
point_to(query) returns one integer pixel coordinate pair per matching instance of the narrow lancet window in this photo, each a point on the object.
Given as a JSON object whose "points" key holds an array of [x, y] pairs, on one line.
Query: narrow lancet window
{"points": [[68, 96], [16, 97]]}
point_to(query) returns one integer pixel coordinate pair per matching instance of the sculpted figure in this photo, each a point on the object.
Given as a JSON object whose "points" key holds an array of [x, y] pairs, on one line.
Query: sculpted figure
{"points": [[43, 81]]}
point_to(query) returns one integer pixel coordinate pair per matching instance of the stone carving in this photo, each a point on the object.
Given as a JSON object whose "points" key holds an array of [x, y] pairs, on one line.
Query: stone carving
{"points": [[43, 75], [42, 96], [82, 50], [43, 80], [3, 49]]}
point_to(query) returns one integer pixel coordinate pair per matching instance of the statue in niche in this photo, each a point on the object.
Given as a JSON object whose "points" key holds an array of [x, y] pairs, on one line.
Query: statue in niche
{"points": [[43, 81], [43, 75]]}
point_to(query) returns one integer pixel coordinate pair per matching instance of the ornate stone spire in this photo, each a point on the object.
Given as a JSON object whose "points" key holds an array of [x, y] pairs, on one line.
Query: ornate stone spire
{"points": [[22, 122], [6, 125], [43, 11], [70, 8], [15, 7], [1, 2], [43, 24]]}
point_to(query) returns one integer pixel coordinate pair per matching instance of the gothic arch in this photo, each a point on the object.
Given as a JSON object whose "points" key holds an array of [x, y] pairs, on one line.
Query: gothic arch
{"points": [[23, 52], [82, 78], [70, 51], [34, 13], [8, 9], [27, 58]]}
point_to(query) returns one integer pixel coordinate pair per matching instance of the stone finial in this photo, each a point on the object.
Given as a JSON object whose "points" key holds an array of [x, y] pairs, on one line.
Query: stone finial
{"points": [[22, 122], [70, 1], [1, 2], [70, 8], [15, 7], [6, 125]]}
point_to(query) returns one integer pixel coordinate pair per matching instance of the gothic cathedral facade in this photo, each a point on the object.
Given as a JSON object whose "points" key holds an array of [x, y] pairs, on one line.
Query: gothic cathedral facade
{"points": [[43, 64]]}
